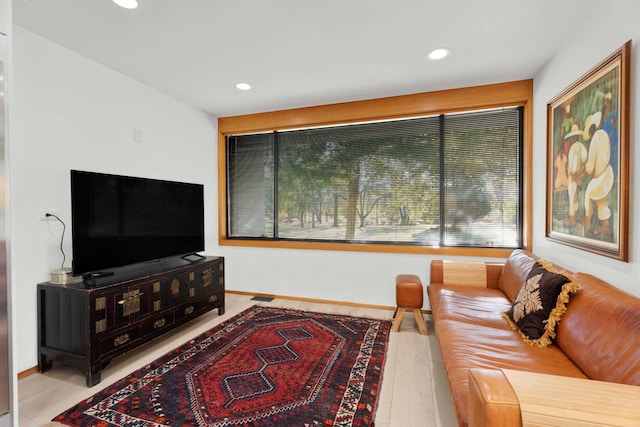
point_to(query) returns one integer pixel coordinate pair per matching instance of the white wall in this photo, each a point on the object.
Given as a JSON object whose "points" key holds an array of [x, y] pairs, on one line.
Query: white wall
{"points": [[341, 276], [5, 16], [608, 28], [5, 26], [69, 112]]}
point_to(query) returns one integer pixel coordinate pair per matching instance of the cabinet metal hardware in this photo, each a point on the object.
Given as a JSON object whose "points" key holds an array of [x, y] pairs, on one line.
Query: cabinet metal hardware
{"points": [[130, 296], [159, 323], [101, 325], [130, 302], [175, 287], [188, 310], [121, 339], [207, 277]]}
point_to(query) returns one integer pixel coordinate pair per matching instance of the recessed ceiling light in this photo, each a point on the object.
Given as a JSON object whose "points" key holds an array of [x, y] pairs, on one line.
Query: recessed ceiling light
{"points": [[127, 4], [439, 53], [243, 86]]}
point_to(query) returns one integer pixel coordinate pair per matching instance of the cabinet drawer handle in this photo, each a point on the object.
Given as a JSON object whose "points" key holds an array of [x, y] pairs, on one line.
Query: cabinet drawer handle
{"points": [[159, 323], [129, 298], [121, 339], [188, 310]]}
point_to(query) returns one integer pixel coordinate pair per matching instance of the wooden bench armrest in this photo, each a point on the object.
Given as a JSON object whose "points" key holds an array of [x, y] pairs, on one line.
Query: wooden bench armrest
{"points": [[517, 398], [485, 274], [558, 401]]}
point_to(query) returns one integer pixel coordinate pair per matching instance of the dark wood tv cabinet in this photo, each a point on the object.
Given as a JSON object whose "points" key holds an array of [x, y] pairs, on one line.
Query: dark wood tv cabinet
{"points": [[89, 327]]}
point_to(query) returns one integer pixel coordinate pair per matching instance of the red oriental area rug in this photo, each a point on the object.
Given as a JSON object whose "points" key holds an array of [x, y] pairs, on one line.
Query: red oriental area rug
{"points": [[263, 367]]}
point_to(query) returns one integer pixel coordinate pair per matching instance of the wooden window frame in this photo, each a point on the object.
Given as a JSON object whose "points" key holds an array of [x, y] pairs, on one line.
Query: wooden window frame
{"points": [[509, 94]]}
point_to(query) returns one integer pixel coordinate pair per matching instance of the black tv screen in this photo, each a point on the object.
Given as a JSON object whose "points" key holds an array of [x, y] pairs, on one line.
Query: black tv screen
{"points": [[122, 220]]}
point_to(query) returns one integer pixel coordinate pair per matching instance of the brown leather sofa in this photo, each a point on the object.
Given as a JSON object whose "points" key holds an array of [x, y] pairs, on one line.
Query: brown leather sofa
{"points": [[598, 338]]}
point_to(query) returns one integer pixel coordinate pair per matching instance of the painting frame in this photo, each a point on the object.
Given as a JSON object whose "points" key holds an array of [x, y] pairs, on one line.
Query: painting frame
{"points": [[588, 143]]}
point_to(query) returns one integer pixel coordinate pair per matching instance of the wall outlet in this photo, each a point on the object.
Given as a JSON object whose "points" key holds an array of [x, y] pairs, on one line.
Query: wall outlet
{"points": [[44, 217]]}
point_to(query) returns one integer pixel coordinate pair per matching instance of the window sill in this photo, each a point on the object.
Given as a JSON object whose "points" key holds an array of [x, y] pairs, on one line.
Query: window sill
{"points": [[364, 247]]}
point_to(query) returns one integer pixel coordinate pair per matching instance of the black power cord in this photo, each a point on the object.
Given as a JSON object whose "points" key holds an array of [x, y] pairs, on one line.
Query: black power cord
{"points": [[64, 227]]}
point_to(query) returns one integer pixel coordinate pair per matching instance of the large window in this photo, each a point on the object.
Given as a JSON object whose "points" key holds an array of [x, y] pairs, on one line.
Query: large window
{"points": [[449, 180]]}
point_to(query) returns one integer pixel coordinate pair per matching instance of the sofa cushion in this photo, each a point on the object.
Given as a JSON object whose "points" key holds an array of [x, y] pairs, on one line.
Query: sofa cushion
{"points": [[515, 272], [600, 332], [541, 303], [469, 304]]}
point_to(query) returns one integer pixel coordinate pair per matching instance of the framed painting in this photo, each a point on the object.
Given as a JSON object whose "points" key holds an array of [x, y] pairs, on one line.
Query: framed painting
{"points": [[588, 159]]}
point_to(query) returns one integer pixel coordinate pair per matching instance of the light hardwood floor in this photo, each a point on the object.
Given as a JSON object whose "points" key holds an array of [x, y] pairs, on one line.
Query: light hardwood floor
{"points": [[414, 387]]}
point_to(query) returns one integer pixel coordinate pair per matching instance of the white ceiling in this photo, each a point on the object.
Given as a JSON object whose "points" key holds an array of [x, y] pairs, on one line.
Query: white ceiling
{"points": [[307, 52]]}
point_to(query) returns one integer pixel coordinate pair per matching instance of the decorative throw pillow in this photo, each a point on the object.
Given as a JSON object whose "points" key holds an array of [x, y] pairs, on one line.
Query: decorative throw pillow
{"points": [[541, 303]]}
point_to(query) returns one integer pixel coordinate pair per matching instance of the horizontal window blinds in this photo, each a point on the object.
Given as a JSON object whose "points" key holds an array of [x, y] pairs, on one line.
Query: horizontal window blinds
{"points": [[442, 180]]}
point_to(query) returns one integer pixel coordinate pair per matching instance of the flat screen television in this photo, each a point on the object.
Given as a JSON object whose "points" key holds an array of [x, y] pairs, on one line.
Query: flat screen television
{"points": [[123, 220]]}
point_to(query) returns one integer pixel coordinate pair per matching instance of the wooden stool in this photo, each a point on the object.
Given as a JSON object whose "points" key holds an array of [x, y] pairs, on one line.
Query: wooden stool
{"points": [[409, 296]]}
